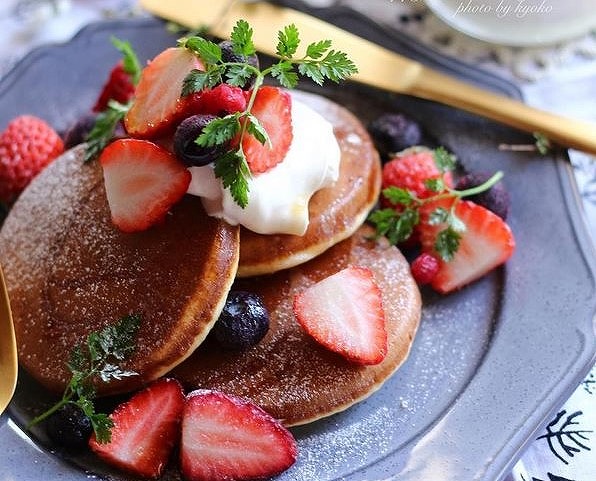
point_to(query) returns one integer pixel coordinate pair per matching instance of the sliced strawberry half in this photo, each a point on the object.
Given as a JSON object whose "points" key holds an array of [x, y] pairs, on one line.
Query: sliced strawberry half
{"points": [[142, 181], [146, 429], [344, 313], [486, 243], [273, 108], [158, 103], [228, 438]]}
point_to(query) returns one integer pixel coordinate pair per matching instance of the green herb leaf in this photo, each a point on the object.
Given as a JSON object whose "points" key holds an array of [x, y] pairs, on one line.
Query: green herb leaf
{"points": [[130, 61], [208, 51], [543, 144], [398, 196], [438, 216], [255, 128], [234, 173], [444, 160], [317, 49], [239, 75], [241, 38], [435, 185], [396, 226], [447, 243], [288, 41], [336, 66], [103, 131], [284, 72], [94, 359], [197, 80], [219, 131]]}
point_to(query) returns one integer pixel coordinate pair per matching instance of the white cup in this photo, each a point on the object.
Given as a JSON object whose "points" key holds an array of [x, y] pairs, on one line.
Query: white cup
{"points": [[518, 22]]}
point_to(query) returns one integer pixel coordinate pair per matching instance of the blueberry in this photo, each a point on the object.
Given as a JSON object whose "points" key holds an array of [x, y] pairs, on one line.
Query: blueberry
{"points": [[228, 55], [69, 427], [185, 146], [393, 133], [496, 199], [244, 321]]}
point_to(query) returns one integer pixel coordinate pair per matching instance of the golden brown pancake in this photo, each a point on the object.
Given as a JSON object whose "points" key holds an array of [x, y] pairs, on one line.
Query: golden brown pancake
{"points": [[335, 212], [69, 271], [288, 373]]}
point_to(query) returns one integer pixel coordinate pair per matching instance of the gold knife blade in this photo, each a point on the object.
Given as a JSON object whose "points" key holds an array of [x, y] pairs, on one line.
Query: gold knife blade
{"points": [[377, 66]]}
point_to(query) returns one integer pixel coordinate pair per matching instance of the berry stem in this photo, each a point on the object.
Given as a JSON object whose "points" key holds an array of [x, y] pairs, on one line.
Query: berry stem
{"points": [[480, 188]]}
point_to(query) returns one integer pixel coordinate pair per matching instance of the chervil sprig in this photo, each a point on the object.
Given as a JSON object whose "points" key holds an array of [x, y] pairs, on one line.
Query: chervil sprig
{"points": [[97, 359], [107, 120], [319, 63], [398, 222]]}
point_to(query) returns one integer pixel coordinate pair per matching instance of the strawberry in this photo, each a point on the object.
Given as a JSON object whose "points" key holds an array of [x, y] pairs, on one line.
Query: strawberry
{"points": [[158, 104], [146, 429], [222, 99], [344, 313], [228, 438], [486, 243], [273, 108], [142, 181], [27, 145], [411, 168], [119, 87]]}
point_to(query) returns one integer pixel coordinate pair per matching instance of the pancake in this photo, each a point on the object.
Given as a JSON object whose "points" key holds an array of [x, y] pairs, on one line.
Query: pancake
{"points": [[69, 271], [335, 212], [288, 374]]}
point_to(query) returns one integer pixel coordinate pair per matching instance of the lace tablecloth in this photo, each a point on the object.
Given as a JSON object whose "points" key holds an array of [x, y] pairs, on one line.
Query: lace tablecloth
{"points": [[560, 78]]}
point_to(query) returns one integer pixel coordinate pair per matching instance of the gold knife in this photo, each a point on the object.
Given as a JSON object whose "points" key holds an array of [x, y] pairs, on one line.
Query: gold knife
{"points": [[377, 66]]}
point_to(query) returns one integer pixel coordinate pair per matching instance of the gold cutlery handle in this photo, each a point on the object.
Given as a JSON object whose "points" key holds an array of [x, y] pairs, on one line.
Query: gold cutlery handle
{"points": [[433, 85]]}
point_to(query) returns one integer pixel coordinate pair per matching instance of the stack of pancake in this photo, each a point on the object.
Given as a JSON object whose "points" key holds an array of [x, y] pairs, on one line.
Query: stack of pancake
{"points": [[69, 272]]}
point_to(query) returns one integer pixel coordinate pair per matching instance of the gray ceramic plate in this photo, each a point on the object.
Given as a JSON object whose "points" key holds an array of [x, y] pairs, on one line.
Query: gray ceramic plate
{"points": [[490, 363]]}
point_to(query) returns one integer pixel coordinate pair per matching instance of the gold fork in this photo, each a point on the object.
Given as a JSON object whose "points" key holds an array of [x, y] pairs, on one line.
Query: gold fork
{"points": [[8, 349], [377, 66]]}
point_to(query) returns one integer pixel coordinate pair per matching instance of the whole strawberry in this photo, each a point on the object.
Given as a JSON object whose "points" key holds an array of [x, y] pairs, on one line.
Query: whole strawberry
{"points": [[26, 146], [411, 169]]}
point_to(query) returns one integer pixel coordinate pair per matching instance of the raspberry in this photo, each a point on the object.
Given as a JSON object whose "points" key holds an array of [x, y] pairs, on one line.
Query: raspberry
{"points": [[424, 268], [26, 146], [220, 100], [411, 168], [119, 87]]}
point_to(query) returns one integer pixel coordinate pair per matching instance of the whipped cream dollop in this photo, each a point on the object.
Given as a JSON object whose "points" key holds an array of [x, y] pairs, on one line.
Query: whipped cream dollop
{"points": [[278, 199]]}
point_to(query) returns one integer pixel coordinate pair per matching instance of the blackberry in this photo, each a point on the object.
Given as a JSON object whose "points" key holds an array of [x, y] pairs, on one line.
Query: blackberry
{"points": [[496, 199], [228, 55], [185, 146], [393, 133], [69, 427], [244, 321], [78, 132]]}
